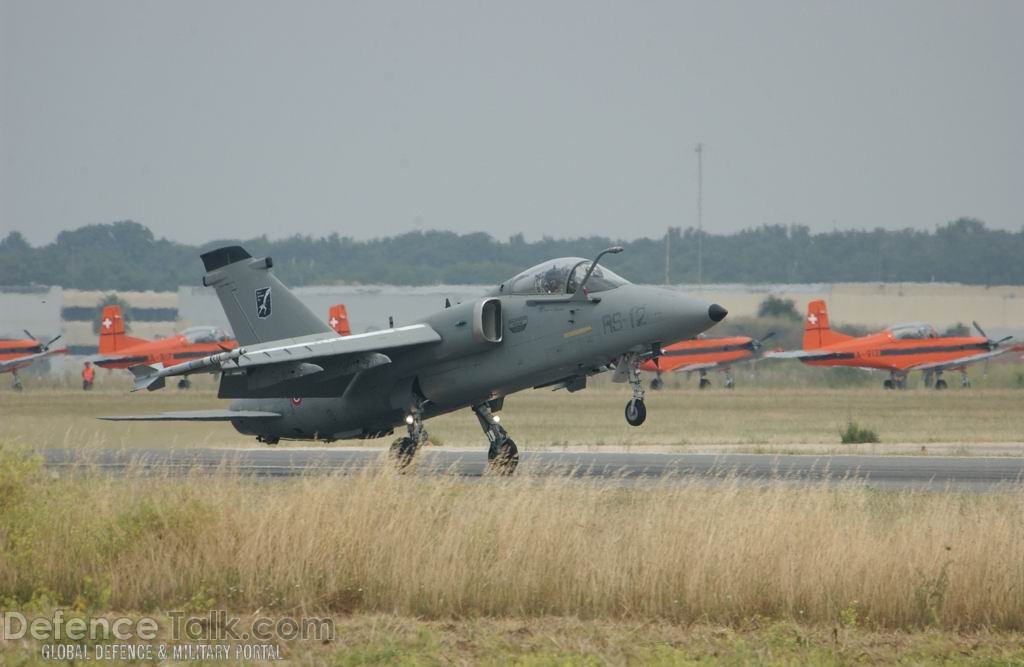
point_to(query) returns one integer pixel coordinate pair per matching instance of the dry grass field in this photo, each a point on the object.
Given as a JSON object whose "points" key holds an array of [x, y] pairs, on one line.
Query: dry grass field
{"points": [[982, 420], [535, 570]]}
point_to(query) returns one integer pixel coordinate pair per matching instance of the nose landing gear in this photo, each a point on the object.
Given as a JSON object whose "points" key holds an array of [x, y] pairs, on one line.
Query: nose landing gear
{"points": [[636, 411], [502, 455]]}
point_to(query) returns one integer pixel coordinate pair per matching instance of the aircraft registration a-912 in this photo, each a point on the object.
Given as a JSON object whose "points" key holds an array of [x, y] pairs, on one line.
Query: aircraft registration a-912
{"points": [[553, 325], [898, 349]]}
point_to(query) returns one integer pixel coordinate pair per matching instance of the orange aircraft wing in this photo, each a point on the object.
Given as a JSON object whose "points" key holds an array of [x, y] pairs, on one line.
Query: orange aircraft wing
{"points": [[962, 361]]}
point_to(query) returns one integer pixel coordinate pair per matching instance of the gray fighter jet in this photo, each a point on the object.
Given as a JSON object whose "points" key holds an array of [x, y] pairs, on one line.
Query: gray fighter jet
{"points": [[553, 325]]}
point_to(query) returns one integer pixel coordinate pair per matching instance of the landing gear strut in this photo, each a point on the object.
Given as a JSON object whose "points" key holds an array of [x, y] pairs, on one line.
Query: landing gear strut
{"points": [[965, 382], [729, 383], [704, 382], [939, 382], [16, 381], [502, 455], [896, 381], [404, 449], [636, 411]]}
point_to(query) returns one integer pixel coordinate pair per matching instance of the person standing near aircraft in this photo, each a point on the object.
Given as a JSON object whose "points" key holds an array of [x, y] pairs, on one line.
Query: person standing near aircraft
{"points": [[88, 376]]}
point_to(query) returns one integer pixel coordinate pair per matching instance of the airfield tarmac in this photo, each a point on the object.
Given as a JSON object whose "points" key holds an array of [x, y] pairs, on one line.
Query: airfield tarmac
{"points": [[881, 472]]}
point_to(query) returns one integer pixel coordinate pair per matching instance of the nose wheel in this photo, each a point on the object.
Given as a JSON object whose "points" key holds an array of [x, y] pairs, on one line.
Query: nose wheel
{"points": [[636, 411], [502, 454]]}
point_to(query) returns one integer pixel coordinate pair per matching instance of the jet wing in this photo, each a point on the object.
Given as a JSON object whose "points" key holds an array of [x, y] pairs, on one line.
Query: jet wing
{"points": [[274, 362], [195, 416], [809, 355], [706, 366], [956, 363]]}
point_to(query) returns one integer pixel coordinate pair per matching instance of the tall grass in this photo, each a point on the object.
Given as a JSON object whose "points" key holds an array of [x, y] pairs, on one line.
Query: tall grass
{"points": [[441, 547]]}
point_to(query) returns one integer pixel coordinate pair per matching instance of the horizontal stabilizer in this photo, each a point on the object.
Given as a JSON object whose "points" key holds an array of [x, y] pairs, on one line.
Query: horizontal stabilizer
{"points": [[195, 416]]}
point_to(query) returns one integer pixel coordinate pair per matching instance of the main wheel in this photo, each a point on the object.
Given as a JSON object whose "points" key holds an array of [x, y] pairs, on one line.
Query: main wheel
{"points": [[729, 384], [503, 459], [941, 384], [184, 383], [888, 384], [402, 451], [636, 412], [704, 383], [657, 383]]}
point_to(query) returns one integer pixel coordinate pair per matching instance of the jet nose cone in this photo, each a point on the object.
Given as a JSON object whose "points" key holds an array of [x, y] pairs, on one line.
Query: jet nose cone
{"points": [[717, 313]]}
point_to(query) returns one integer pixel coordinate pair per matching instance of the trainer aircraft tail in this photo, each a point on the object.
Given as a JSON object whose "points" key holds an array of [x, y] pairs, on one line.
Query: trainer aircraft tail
{"points": [[817, 332]]}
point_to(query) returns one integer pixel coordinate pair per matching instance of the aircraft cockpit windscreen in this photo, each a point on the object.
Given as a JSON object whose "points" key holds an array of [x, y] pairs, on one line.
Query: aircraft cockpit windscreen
{"points": [[913, 331], [195, 335], [563, 276]]}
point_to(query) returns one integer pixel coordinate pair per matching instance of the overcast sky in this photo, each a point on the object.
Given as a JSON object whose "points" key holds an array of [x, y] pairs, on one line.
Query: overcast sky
{"points": [[232, 119]]}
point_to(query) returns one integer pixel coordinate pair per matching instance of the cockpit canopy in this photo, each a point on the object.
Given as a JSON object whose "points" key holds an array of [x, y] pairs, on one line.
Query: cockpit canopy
{"points": [[913, 331], [562, 276], [195, 335]]}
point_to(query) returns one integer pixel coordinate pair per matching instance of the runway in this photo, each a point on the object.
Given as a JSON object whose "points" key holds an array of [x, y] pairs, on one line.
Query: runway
{"points": [[884, 472]]}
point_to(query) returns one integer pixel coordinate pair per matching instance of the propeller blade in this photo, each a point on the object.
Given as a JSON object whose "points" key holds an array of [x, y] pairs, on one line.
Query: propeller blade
{"points": [[1002, 340], [52, 341], [980, 330], [766, 336], [29, 334]]}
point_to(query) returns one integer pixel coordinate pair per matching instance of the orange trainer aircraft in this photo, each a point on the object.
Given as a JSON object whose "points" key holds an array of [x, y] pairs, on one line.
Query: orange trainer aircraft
{"points": [[899, 349], [19, 353], [119, 350], [703, 355], [337, 317]]}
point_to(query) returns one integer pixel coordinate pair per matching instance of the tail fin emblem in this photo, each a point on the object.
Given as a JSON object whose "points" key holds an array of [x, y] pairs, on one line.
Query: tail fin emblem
{"points": [[263, 306]]}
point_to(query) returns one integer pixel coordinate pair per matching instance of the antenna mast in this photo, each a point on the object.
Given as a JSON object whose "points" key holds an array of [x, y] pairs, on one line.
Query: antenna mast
{"points": [[700, 215]]}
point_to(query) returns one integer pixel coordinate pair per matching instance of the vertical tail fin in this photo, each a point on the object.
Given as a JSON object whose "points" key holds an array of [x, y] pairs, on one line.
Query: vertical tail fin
{"points": [[112, 336], [258, 305], [817, 332], [337, 317]]}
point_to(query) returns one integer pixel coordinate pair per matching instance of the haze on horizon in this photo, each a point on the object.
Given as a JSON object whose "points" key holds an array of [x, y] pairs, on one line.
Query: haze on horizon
{"points": [[236, 119]]}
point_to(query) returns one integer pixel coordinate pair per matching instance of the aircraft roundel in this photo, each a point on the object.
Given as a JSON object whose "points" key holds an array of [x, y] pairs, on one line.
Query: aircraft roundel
{"points": [[296, 402]]}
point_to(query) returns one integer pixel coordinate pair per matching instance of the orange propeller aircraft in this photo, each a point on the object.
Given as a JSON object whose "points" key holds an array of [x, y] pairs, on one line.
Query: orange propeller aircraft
{"points": [[703, 355], [899, 349], [337, 317], [119, 350], [19, 353]]}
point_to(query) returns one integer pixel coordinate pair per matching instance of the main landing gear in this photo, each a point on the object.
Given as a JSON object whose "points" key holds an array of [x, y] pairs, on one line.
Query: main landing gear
{"points": [[704, 382], [636, 411], [657, 383], [404, 449], [896, 381], [16, 384], [965, 382], [502, 455]]}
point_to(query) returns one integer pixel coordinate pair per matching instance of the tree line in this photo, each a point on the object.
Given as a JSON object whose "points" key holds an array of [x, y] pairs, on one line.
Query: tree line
{"points": [[127, 256]]}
